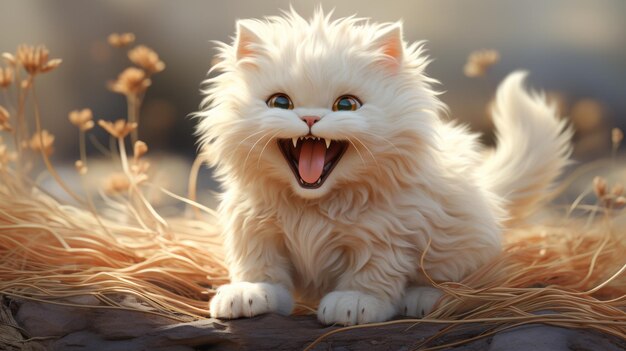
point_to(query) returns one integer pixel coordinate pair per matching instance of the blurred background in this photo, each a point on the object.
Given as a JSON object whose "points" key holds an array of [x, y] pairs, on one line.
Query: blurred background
{"points": [[575, 50]]}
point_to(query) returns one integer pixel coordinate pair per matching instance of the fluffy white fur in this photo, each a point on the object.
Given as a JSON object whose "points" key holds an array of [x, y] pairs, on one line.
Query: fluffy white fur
{"points": [[408, 177]]}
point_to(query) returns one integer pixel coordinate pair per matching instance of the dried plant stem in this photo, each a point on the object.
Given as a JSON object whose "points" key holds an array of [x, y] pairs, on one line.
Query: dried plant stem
{"points": [[15, 130], [134, 189], [20, 125], [94, 212], [44, 156], [82, 147], [8, 99], [575, 205], [576, 174], [196, 206], [22, 114], [90, 203], [133, 103], [193, 182], [98, 145]]}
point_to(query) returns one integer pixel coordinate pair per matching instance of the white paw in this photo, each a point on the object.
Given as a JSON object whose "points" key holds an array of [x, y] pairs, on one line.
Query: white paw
{"points": [[419, 301], [245, 299], [353, 307]]}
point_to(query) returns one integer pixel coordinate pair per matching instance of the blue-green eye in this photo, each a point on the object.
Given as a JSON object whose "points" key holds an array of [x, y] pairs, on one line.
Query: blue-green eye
{"points": [[346, 103], [280, 100]]}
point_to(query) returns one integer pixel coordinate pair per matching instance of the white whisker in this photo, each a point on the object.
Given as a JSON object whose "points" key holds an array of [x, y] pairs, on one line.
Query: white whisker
{"points": [[252, 148], [258, 163], [370, 152], [383, 138], [246, 138], [358, 152]]}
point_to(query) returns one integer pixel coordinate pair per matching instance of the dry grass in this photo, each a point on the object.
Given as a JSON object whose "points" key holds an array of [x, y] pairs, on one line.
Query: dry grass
{"points": [[51, 251]]}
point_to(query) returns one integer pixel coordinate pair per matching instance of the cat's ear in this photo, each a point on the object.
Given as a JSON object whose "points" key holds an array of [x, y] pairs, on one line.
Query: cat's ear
{"points": [[246, 40], [389, 41]]}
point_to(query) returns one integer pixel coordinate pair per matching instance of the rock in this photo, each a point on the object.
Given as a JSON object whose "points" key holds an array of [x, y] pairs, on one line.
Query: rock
{"points": [[109, 330]]}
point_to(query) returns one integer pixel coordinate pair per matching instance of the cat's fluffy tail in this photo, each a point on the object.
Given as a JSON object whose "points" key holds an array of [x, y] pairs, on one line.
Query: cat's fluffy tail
{"points": [[533, 147]]}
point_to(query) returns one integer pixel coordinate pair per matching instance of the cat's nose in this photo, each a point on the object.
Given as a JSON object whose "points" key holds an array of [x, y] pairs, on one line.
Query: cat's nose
{"points": [[310, 120]]}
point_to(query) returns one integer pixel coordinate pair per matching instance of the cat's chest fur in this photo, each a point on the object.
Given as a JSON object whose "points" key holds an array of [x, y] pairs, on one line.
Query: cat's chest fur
{"points": [[319, 244]]}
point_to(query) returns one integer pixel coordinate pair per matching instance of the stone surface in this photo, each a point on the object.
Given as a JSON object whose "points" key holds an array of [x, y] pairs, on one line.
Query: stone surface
{"points": [[69, 328]]}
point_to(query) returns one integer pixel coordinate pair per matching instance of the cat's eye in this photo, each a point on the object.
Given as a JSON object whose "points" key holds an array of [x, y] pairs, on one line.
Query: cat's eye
{"points": [[346, 103], [280, 100]]}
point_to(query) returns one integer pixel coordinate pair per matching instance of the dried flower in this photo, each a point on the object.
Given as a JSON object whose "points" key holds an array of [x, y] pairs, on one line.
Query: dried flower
{"points": [[116, 183], [614, 199], [25, 83], [80, 167], [121, 40], [6, 77], [119, 128], [42, 142], [599, 187], [140, 169], [131, 81], [616, 137], [478, 62], [9, 58], [83, 119], [146, 58], [35, 59], [140, 149], [4, 119]]}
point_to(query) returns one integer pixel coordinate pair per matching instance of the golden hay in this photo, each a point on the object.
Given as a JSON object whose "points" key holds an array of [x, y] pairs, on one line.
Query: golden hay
{"points": [[572, 272]]}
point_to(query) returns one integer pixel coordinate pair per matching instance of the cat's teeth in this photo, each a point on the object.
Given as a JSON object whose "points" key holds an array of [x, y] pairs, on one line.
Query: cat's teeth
{"points": [[327, 143], [295, 142], [319, 180]]}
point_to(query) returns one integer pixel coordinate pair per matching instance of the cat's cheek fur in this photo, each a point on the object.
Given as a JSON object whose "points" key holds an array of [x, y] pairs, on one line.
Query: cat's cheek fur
{"points": [[244, 299]]}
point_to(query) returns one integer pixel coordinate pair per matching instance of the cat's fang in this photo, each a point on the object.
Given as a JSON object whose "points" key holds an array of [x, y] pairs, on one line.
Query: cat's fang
{"points": [[327, 143], [294, 141]]}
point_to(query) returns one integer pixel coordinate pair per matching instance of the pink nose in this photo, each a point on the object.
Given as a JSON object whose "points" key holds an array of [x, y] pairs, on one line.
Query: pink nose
{"points": [[310, 120]]}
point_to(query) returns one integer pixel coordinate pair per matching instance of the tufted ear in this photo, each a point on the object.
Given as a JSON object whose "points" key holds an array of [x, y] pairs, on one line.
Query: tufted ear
{"points": [[389, 41], [246, 40]]}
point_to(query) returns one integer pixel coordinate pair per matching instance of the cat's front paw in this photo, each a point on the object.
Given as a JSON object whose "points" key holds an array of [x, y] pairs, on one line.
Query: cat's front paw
{"points": [[245, 299], [353, 307], [419, 301]]}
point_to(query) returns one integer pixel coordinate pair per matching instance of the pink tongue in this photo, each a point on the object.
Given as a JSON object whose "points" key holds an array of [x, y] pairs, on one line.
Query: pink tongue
{"points": [[311, 162]]}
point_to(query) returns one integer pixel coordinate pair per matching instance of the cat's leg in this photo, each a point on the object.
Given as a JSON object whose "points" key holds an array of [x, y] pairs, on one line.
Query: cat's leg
{"points": [[419, 301], [369, 294], [260, 275]]}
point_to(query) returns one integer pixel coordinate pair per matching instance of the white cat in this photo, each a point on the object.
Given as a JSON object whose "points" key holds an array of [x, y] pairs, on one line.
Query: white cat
{"points": [[338, 170]]}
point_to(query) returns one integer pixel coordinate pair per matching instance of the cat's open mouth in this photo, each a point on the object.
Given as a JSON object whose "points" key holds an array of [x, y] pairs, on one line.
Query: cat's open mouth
{"points": [[311, 158]]}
